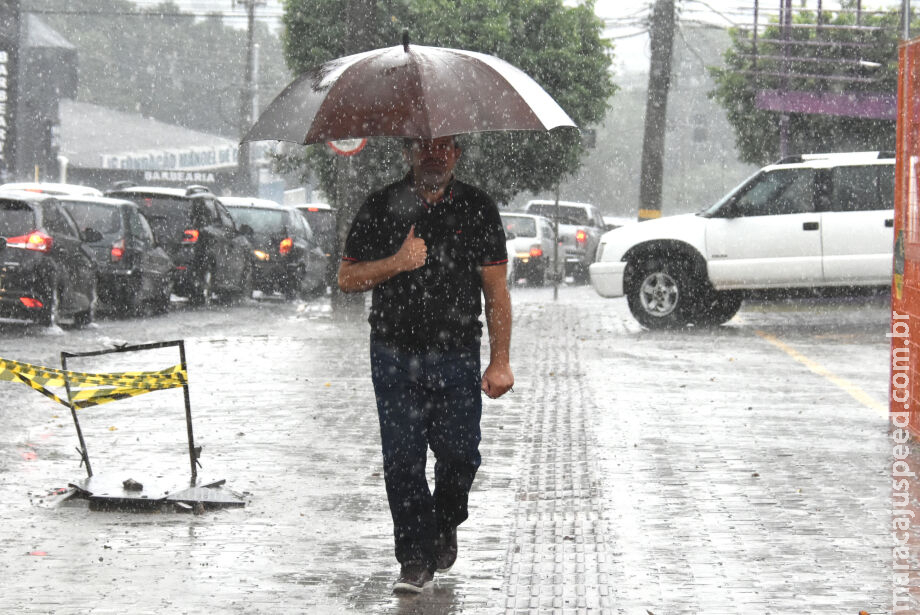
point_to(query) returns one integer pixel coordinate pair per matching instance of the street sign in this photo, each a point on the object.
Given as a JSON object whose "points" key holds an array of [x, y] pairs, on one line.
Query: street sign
{"points": [[347, 147]]}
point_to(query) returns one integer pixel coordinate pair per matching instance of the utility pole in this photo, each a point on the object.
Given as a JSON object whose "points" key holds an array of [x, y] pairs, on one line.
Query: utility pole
{"points": [[244, 183], [661, 34], [905, 20]]}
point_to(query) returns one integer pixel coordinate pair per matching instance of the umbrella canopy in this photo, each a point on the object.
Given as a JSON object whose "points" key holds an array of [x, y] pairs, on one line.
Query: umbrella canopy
{"points": [[407, 91]]}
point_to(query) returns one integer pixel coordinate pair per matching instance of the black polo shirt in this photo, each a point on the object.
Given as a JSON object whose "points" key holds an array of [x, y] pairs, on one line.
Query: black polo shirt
{"points": [[438, 305]]}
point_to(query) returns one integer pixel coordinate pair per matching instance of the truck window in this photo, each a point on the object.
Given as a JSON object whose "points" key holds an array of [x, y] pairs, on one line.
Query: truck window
{"points": [[855, 189], [784, 191]]}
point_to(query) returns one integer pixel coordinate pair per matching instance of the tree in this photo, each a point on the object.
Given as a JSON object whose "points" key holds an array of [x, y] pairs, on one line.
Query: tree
{"points": [[859, 61], [560, 47], [161, 63]]}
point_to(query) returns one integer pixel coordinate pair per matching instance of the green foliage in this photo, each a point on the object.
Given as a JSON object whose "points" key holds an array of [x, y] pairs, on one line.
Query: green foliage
{"points": [[867, 67], [176, 69], [559, 46]]}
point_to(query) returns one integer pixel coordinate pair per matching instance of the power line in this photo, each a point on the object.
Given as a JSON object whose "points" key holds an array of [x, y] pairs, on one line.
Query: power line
{"points": [[632, 35]]}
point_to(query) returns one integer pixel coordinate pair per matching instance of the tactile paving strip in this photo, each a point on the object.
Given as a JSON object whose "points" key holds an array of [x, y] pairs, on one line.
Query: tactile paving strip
{"points": [[558, 561]]}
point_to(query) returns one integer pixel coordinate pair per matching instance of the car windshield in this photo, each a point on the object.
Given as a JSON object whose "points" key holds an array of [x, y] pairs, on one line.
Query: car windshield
{"points": [[521, 227], [104, 218], [15, 219], [265, 221], [567, 214], [168, 217], [321, 221]]}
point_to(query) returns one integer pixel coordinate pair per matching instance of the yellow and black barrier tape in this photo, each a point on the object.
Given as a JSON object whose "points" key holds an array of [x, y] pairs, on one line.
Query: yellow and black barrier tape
{"points": [[92, 389]]}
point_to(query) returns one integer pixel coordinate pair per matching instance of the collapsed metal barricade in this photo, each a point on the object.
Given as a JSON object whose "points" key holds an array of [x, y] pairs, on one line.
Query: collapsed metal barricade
{"points": [[83, 390]]}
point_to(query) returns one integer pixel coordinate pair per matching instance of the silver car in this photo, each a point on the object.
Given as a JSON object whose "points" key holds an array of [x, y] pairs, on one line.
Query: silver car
{"points": [[531, 249]]}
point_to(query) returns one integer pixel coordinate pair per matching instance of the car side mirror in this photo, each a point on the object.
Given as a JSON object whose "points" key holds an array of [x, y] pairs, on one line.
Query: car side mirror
{"points": [[91, 235], [245, 229], [509, 236], [729, 210]]}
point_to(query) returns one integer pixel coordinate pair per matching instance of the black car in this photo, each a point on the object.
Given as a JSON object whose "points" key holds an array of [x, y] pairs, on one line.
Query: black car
{"points": [[210, 255], [133, 270], [323, 223], [286, 257], [47, 273]]}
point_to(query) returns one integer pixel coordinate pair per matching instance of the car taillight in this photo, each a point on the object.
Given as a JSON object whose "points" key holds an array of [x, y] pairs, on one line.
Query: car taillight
{"points": [[536, 251], [29, 302], [118, 250], [36, 240], [286, 244], [190, 235], [581, 236]]}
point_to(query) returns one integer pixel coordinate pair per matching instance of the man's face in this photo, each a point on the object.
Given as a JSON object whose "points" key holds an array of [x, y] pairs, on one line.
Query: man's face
{"points": [[432, 161]]}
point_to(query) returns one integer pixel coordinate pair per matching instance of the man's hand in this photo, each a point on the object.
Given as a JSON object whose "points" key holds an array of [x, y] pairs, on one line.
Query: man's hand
{"points": [[359, 276], [413, 252], [497, 379]]}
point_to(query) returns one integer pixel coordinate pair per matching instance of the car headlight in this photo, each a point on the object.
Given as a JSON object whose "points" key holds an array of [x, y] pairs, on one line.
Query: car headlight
{"points": [[600, 251], [262, 256]]}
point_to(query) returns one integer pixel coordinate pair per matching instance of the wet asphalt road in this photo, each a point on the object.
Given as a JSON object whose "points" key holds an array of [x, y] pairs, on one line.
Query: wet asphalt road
{"points": [[742, 469]]}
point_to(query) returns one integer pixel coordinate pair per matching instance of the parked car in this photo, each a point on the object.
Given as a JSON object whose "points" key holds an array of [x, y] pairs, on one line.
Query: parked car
{"points": [[531, 248], [47, 273], [286, 256], [53, 188], [133, 270], [821, 220], [323, 222], [210, 255], [580, 228]]}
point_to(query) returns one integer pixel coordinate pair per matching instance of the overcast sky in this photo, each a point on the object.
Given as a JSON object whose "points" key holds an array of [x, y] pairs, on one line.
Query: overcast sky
{"points": [[625, 19]]}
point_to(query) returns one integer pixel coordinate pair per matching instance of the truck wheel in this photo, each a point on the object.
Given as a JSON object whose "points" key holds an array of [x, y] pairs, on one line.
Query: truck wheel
{"points": [[717, 307], [660, 293]]}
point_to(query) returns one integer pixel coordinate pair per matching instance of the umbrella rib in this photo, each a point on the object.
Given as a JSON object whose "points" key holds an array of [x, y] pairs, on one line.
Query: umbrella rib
{"points": [[422, 109]]}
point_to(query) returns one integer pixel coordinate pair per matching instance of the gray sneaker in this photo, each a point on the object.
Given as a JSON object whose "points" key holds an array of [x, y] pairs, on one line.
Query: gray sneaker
{"points": [[413, 578], [447, 550]]}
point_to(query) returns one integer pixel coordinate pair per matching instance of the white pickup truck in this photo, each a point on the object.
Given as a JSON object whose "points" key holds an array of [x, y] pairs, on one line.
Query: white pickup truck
{"points": [[580, 228], [805, 222]]}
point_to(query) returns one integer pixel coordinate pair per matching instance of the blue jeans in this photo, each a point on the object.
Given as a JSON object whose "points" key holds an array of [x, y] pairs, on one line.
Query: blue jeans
{"points": [[427, 399]]}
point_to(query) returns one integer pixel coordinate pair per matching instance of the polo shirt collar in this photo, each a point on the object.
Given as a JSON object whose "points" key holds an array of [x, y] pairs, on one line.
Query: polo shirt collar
{"points": [[447, 197]]}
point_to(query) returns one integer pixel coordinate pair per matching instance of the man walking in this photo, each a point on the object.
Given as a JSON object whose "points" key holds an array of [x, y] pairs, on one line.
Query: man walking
{"points": [[430, 247]]}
